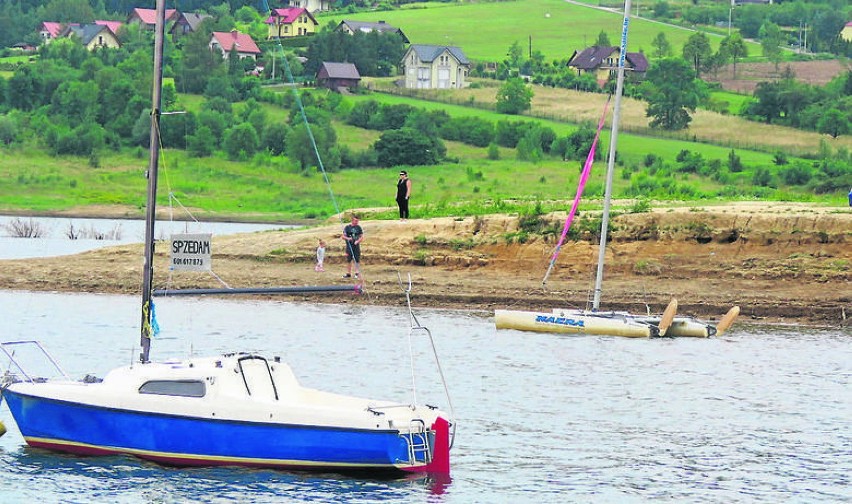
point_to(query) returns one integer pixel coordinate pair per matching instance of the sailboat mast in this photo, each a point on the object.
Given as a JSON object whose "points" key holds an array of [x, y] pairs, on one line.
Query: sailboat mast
{"points": [[610, 167], [151, 206]]}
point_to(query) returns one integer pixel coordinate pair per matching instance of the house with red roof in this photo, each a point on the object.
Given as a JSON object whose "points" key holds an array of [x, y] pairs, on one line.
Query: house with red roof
{"points": [[112, 25], [225, 42], [49, 30], [148, 17], [291, 22]]}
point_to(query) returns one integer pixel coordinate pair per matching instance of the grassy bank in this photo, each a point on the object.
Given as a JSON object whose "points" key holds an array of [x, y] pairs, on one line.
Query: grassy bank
{"points": [[470, 182]]}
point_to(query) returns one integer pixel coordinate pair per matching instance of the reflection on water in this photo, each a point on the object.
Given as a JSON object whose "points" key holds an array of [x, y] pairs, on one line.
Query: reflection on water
{"points": [[53, 233], [761, 415]]}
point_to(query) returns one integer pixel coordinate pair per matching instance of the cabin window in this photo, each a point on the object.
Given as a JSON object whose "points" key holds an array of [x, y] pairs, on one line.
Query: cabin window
{"points": [[181, 388]]}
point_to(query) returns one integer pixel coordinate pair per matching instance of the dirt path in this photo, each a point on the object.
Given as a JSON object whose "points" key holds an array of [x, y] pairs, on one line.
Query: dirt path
{"points": [[780, 262]]}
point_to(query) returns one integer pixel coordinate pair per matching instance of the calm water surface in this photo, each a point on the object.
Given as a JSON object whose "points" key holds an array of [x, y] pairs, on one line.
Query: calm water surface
{"points": [[54, 232], [760, 415]]}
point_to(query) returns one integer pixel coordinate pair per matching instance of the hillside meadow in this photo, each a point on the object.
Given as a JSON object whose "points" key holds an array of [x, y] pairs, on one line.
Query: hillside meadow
{"points": [[266, 188], [271, 189], [710, 133], [554, 27]]}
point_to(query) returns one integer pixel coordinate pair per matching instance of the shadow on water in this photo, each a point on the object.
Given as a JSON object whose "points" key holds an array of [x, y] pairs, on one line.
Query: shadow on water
{"points": [[114, 476]]}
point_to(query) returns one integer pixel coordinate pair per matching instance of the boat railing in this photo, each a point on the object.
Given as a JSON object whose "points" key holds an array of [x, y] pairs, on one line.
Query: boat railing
{"points": [[416, 327], [9, 349], [417, 441]]}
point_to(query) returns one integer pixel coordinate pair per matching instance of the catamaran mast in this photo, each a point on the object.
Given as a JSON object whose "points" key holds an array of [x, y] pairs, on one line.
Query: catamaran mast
{"points": [[610, 167], [151, 207]]}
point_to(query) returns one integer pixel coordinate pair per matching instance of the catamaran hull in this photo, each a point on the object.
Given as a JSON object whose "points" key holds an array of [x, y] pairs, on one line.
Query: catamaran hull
{"points": [[572, 323], [189, 441], [683, 327]]}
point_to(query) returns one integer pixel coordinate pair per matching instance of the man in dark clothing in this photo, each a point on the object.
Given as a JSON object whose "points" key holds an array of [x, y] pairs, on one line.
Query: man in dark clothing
{"points": [[353, 235], [403, 192]]}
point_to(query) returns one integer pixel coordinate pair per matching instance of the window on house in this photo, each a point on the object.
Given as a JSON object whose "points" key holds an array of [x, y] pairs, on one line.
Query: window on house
{"points": [[180, 388]]}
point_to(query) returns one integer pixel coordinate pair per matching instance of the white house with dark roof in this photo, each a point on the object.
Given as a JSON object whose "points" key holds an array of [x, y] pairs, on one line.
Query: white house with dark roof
{"points": [[186, 23], [352, 27], [602, 62], [435, 67], [92, 36]]}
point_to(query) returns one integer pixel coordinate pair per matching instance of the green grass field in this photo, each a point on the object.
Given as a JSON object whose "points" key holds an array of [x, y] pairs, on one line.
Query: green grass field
{"points": [[632, 148], [736, 102], [270, 189], [553, 27], [16, 59]]}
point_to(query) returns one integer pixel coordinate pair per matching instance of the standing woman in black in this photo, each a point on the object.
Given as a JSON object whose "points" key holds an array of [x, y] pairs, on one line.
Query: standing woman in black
{"points": [[403, 193]]}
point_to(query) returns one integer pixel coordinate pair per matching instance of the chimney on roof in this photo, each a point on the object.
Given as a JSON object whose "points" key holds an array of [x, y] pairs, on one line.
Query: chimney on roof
{"points": [[234, 33]]}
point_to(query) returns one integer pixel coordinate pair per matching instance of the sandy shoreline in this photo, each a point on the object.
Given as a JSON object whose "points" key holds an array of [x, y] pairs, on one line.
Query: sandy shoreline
{"points": [[781, 263]]}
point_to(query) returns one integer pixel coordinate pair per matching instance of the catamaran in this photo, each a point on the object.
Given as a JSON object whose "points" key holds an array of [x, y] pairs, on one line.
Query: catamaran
{"points": [[596, 321]]}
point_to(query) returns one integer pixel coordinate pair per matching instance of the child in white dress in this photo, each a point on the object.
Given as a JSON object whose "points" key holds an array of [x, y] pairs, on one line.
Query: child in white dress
{"points": [[320, 256]]}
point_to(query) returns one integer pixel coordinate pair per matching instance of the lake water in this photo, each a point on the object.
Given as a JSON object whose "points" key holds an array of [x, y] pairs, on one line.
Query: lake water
{"points": [[54, 240], [763, 414]]}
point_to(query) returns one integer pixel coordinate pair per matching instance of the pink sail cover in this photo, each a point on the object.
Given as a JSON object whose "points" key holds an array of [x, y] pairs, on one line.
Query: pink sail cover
{"points": [[587, 169]]}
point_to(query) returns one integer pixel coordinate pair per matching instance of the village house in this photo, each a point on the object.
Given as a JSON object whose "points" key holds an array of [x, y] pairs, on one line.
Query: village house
{"points": [[846, 33], [291, 22], [93, 36], [352, 27], [49, 30], [186, 23], [148, 17], [311, 5], [338, 76], [603, 62], [434, 67], [113, 26], [225, 42]]}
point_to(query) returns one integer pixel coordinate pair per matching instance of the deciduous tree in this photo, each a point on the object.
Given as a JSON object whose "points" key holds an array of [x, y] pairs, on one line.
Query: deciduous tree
{"points": [[514, 97], [833, 123], [770, 42], [662, 47], [735, 47], [672, 94], [698, 52]]}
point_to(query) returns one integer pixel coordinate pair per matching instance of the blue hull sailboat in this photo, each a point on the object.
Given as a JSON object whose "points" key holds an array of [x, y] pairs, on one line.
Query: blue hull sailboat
{"points": [[239, 409]]}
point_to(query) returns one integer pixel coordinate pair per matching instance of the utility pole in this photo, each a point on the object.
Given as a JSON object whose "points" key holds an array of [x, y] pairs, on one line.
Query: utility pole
{"points": [[730, 16]]}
